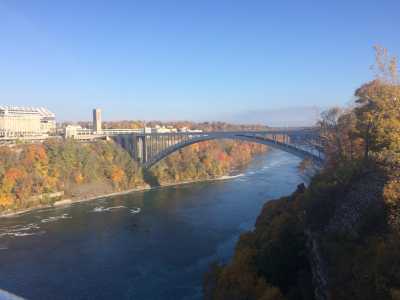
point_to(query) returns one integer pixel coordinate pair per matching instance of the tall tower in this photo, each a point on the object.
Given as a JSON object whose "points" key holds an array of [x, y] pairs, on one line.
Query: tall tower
{"points": [[97, 120]]}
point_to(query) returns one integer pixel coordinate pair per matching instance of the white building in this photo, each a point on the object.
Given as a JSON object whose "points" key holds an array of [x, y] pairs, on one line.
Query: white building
{"points": [[79, 133], [186, 129], [76, 131], [20, 122], [160, 129]]}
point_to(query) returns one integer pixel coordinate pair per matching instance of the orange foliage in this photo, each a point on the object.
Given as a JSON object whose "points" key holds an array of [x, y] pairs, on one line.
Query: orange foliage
{"points": [[38, 169], [78, 178], [203, 146], [35, 153], [208, 159], [117, 175], [222, 156], [13, 174], [196, 147]]}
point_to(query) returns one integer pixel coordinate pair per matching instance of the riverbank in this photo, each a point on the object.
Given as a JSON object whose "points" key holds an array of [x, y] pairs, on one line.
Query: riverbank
{"points": [[30, 173], [71, 201]]}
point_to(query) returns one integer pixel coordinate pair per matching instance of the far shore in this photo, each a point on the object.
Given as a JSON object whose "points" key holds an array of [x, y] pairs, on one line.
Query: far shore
{"points": [[66, 202]]}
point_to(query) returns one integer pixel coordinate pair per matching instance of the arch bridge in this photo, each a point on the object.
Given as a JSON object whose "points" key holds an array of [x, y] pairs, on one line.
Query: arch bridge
{"points": [[150, 148]]}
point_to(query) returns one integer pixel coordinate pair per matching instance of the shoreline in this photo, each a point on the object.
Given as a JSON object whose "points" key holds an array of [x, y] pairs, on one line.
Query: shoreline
{"points": [[67, 202]]}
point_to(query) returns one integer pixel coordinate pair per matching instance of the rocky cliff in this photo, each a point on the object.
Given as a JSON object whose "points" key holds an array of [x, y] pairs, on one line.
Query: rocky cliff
{"points": [[332, 240]]}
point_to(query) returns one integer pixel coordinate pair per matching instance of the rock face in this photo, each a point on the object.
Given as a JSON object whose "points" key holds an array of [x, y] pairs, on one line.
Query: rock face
{"points": [[329, 241], [394, 217], [363, 196], [318, 267], [356, 230]]}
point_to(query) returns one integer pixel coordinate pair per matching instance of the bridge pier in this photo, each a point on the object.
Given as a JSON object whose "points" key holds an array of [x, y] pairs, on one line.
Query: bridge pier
{"points": [[141, 153]]}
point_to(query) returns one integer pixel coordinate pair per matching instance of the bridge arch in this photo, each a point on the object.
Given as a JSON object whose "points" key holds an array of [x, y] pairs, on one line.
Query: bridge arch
{"points": [[315, 155]]}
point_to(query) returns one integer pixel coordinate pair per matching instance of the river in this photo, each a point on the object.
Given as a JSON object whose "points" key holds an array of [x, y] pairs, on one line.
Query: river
{"points": [[106, 249]]}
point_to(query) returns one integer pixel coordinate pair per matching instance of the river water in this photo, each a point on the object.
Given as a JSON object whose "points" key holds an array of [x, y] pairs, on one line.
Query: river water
{"points": [[106, 249]]}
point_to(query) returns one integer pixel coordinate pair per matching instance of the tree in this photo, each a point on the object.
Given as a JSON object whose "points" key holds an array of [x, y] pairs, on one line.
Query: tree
{"points": [[338, 135], [378, 107], [385, 67]]}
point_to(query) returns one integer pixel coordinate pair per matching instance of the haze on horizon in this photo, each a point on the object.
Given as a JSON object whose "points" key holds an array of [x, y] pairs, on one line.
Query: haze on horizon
{"points": [[186, 60]]}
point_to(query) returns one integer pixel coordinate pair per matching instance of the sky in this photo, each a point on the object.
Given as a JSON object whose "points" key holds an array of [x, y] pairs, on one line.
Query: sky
{"points": [[189, 60]]}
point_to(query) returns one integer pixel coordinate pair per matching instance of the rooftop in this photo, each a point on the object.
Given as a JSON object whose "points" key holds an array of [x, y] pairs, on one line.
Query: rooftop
{"points": [[17, 110]]}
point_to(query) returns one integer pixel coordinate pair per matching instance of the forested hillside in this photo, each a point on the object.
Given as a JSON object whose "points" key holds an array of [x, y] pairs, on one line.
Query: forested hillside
{"points": [[68, 166], [205, 160], [39, 174], [339, 238]]}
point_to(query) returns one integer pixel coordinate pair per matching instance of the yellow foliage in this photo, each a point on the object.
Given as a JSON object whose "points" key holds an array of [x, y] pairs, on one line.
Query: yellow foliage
{"points": [[5, 201], [117, 175], [391, 191], [196, 147]]}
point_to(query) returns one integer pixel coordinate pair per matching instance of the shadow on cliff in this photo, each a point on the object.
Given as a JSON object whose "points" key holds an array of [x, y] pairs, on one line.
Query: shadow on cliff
{"points": [[150, 178]]}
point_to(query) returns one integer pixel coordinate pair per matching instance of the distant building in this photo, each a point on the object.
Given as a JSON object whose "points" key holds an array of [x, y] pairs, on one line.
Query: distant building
{"points": [[76, 132], [97, 132], [97, 120], [79, 133], [186, 129], [21, 122], [161, 129]]}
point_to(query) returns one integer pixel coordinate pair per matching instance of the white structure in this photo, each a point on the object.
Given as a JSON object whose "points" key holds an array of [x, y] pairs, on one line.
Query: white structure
{"points": [[76, 132], [25, 122], [186, 129], [120, 131], [79, 133], [162, 129]]}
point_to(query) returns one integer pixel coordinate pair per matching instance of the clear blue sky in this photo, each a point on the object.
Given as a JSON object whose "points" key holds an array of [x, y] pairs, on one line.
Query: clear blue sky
{"points": [[188, 59]]}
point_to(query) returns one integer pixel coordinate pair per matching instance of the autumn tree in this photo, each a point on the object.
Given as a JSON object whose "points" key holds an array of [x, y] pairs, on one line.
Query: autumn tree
{"points": [[338, 135], [372, 127], [378, 108]]}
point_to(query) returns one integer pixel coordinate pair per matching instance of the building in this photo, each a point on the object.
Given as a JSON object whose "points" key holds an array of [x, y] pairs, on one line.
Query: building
{"points": [[25, 122], [76, 132], [97, 132], [186, 129], [161, 129], [97, 120]]}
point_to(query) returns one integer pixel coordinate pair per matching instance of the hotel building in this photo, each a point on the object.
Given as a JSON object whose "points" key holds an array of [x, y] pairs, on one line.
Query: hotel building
{"points": [[20, 122]]}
